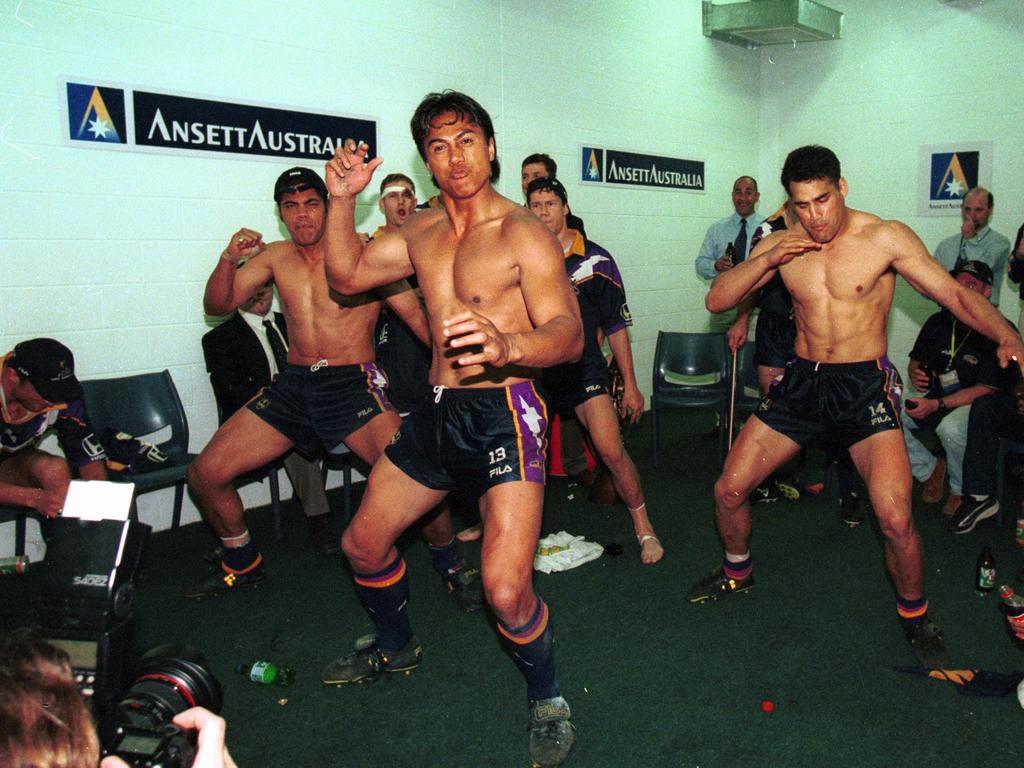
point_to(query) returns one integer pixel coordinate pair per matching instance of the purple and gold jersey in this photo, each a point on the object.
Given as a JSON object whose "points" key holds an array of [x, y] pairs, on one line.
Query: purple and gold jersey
{"points": [[602, 298], [74, 433]]}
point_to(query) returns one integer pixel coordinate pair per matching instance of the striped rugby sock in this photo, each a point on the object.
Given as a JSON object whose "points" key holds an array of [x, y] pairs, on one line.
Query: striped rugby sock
{"points": [[533, 649], [385, 594]]}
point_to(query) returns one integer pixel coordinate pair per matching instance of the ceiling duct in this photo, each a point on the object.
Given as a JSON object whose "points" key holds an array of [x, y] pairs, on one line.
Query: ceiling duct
{"points": [[771, 22]]}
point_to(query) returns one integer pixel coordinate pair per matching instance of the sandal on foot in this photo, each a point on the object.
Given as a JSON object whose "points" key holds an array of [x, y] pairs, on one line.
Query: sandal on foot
{"points": [[643, 539]]}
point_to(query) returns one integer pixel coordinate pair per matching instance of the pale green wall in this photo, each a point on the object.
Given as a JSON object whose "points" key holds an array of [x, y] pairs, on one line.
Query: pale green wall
{"points": [[109, 251]]}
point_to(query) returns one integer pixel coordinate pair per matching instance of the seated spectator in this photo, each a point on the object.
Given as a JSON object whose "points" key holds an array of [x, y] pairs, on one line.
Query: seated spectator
{"points": [[954, 366], [39, 391], [992, 417]]}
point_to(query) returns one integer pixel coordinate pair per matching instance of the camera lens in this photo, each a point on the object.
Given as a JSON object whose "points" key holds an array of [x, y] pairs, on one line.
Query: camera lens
{"points": [[168, 680]]}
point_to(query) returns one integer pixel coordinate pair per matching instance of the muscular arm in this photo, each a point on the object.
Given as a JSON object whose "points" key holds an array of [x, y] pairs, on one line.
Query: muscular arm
{"points": [[351, 266], [554, 313], [746, 278], [911, 260], [228, 287], [403, 301]]}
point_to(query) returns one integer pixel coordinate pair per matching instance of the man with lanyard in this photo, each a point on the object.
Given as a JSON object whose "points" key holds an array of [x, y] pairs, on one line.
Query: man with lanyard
{"points": [[977, 241], [39, 391], [953, 365]]}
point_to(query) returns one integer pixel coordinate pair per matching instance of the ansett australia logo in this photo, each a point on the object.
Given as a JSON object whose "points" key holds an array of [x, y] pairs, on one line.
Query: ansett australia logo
{"points": [[96, 114], [593, 164], [953, 174]]}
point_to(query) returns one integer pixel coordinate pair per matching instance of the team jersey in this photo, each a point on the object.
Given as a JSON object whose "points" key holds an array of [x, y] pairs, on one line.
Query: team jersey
{"points": [[602, 298]]}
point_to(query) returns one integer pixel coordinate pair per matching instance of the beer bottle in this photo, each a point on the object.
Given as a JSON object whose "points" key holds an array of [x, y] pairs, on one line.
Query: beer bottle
{"points": [[985, 572]]}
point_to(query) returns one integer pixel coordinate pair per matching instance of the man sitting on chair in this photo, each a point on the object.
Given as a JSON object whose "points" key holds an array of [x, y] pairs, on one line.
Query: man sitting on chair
{"points": [[38, 390]]}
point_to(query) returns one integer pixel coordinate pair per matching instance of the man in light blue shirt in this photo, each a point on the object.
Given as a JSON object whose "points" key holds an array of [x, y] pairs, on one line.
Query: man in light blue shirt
{"points": [[735, 230], [977, 241]]}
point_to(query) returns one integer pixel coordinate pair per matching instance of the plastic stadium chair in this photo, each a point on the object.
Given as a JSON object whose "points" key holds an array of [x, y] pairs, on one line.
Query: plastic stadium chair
{"points": [[690, 371], [748, 393], [1007, 446], [143, 405]]}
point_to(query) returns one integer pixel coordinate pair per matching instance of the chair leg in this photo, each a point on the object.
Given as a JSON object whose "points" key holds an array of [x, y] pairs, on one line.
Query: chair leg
{"points": [[275, 502], [654, 433], [20, 532], [179, 497]]}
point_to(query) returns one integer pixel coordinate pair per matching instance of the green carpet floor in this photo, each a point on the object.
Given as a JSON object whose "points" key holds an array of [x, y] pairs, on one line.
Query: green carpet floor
{"points": [[652, 679]]}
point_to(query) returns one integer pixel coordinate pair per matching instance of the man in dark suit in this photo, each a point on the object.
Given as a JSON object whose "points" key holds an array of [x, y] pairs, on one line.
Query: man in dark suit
{"points": [[242, 357]]}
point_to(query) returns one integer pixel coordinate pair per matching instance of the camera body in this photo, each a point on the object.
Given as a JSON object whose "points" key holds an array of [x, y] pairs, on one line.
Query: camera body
{"points": [[167, 680]]}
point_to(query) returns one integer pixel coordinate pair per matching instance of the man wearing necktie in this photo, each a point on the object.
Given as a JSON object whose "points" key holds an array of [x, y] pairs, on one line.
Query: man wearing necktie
{"points": [[243, 354], [976, 241], [727, 242]]}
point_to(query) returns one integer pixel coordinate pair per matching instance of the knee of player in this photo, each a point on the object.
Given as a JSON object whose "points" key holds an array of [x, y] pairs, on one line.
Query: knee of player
{"points": [[895, 521], [505, 597], [729, 492], [53, 473], [201, 475]]}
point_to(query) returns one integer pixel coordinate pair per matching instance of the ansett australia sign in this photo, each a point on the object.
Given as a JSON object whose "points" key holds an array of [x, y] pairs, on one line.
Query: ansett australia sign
{"points": [[122, 117], [616, 167]]}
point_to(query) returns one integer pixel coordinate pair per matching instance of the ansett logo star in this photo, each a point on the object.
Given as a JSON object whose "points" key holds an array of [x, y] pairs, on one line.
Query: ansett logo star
{"points": [[96, 114], [592, 164], [953, 174]]}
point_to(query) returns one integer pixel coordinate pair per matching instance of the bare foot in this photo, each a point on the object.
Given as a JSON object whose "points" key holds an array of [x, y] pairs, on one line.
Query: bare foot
{"points": [[472, 533], [651, 550]]}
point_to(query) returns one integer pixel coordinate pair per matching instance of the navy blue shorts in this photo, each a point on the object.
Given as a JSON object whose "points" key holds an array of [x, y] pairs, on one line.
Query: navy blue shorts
{"points": [[833, 404], [563, 397], [473, 439], [774, 340], [322, 407]]}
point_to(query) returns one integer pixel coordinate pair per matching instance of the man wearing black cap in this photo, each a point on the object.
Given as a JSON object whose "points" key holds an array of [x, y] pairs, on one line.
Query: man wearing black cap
{"points": [[583, 388], [953, 366], [38, 390], [330, 391]]}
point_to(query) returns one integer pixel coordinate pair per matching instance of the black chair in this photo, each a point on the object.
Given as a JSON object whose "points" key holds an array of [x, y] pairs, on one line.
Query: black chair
{"points": [[1007, 446], [340, 458], [145, 406], [690, 371], [748, 391]]}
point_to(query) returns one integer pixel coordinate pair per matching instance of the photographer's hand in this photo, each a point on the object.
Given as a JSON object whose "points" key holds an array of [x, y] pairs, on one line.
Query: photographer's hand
{"points": [[213, 752]]}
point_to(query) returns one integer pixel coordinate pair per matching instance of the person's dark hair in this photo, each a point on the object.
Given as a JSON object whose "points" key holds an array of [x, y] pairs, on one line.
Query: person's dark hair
{"points": [[393, 177], [463, 107], [43, 717], [547, 184], [539, 157], [809, 164]]}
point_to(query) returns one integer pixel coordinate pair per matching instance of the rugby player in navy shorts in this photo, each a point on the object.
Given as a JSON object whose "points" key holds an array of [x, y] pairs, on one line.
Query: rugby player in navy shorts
{"points": [[500, 308], [841, 272]]}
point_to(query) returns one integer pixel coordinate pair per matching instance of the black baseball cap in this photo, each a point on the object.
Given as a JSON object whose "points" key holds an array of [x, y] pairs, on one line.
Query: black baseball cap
{"points": [[977, 269], [48, 366], [299, 179], [547, 184]]}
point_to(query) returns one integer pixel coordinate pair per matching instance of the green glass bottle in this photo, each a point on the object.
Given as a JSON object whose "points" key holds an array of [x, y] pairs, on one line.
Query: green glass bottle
{"points": [[266, 672]]}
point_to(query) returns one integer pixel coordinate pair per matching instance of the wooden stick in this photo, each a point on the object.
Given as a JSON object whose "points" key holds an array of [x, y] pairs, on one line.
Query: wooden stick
{"points": [[732, 399]]}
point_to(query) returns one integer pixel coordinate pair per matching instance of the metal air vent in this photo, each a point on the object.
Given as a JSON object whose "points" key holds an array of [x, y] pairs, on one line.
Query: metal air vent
{"points": [[771, 22]]}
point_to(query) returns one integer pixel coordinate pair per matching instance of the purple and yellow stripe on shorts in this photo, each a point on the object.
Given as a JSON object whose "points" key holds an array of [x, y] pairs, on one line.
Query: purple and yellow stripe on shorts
{"points": [[376, 383], [893, 386], [531, 420], [382, 579]]}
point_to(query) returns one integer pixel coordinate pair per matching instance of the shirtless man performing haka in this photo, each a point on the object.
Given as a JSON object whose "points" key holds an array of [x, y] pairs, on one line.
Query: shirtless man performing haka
{"points": [[841, 271], [500, 307]]}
